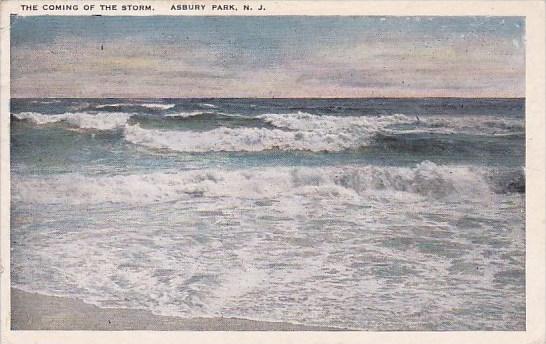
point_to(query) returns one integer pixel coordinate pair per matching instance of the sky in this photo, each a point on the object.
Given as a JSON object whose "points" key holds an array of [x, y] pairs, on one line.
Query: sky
{"points": [[274, 56]]}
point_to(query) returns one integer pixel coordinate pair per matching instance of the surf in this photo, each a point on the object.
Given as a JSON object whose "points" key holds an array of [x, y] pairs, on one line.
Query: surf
{"points": [[82, 120], [425, 179]]}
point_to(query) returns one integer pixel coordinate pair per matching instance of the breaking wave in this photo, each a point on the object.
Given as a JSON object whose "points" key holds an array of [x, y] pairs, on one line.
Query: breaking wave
{"points": [[98, 121], [489, 125], [299, 131], [290, 132], [426, 179], [307, 121], [243, 139]]}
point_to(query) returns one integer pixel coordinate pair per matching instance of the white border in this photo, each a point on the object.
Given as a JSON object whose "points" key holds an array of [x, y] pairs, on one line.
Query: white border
{"points": [[534, 13]]}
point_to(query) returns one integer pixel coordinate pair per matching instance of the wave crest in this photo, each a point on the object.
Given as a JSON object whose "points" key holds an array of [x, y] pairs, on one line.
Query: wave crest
{"points": [[307, 121], [299, 131], [291, 131], [82, 120], [242, 139], [426, 179], [152, 106]]}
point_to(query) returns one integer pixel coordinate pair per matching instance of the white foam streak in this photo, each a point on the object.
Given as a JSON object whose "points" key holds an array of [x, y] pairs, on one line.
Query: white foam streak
{"points": [[102, 106], [147, 105], [158, 106], [98, 121]]}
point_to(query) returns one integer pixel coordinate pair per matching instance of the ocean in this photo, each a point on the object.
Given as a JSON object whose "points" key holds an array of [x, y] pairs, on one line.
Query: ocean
{"points": [[367, 214]]}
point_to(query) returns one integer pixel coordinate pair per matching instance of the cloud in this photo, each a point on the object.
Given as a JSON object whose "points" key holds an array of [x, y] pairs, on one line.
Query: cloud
{"points": [[268, 57]]}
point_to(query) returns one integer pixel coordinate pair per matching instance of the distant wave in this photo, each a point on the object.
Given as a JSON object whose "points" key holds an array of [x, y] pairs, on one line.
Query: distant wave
{"points": [[158, 106], [102, 106], [290, 131], [308, 132], [146, 105], [484, 124], [38, 118], [307, 121], [426, 179], [208, 105], [488, 125], [208, 113], [46, 101], [98, 121]]}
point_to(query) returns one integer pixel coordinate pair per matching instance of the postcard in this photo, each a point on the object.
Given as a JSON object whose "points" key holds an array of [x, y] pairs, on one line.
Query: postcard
{"points": [[289, 171]]}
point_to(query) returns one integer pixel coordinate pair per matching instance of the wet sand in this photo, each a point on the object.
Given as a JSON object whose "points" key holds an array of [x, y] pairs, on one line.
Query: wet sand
{"points": [[32, 311]]}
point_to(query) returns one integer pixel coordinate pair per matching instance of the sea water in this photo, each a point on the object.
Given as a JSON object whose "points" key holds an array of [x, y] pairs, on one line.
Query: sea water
{"points": [[374, 214]]}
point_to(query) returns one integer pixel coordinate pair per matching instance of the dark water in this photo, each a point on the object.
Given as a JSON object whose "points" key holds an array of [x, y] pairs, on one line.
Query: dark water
{"points": [[364, 213]]}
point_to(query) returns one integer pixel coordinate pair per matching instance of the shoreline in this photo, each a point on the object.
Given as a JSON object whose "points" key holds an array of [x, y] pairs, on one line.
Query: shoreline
{"points": [[34, 311]]}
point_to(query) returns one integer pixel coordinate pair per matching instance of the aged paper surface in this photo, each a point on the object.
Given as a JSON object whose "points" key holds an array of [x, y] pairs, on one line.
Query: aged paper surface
{"points": [[272, 171]]}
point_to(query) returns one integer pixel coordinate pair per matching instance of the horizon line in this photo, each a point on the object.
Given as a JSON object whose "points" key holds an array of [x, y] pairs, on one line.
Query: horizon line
{"points": [[443, 97]]}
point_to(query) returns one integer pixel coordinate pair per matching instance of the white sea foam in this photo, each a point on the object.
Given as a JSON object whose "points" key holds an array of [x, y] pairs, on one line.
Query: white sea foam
{"points": [[313, 245], [344, 245], [146, 105], [427, 123], [241, 139], [296, 132], [83, 120], [158, 106], [39, 118], [102, 106], [307, 121], [304, 131], [425, 179], [293, 131]]}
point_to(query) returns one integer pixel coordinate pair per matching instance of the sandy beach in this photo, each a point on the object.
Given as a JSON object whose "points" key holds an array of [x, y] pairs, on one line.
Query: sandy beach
{"points": [[32, 311]]}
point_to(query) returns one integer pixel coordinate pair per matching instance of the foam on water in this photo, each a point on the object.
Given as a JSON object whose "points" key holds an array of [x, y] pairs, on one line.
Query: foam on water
{"points": [[299, 131], [291, 132], [484, 124], [158, 106], [379, 238], [102, 106], [342, 246], [347, 182], [307, 121], [83, 120], [154, 106], [240, 139]]}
